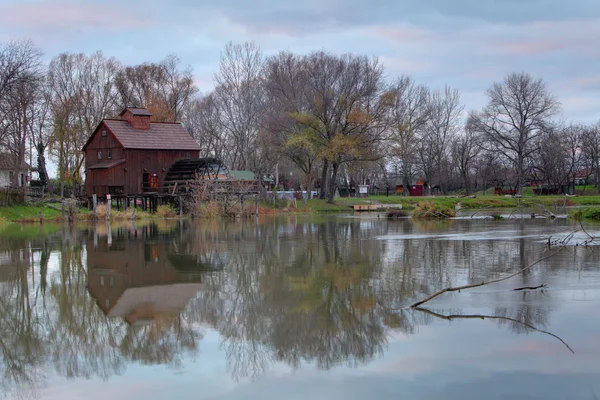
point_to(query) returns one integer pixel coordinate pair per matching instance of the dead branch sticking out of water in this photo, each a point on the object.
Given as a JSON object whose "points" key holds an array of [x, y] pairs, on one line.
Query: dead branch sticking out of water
{"points": [[482, 209], [543, 285], [561, 241], [590, 238], [548, 212], [482, 283], [483, 317]]}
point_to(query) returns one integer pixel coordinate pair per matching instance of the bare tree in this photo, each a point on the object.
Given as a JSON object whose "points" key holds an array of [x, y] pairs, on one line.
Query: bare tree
{"points": [[591, 151], [519, 110], [20, 76], [162, 88], [239, 95], [445, 112], [409, 116], [82, 93], [22, 102], [560, 156], [203, 120], [465, 148]]}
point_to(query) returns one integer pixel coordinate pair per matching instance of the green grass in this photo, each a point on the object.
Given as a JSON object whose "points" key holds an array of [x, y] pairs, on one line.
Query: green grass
{"points": [[27, 231], [28, 212], [481, 201], [587, 214], [321, 206]]}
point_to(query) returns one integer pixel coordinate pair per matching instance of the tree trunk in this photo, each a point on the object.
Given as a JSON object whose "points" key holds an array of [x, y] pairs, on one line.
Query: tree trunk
{"points": [[519, 186], [333, 183], [308, 188], [596, 175], [467, 182], [406, 185], [323, 190], [42, 171]]}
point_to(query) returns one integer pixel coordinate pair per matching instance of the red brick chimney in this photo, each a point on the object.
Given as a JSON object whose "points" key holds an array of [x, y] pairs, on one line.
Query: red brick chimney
{"points": [[138, 118]]}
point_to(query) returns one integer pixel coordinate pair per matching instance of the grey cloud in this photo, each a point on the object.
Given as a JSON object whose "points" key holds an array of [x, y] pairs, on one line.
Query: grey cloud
{"points": [[312, 16]]}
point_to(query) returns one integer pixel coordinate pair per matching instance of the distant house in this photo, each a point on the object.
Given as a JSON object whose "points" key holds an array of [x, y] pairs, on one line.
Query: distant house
{"points": [[131, 155], [419, 188], [585, 177], [11, 170], [248, 177]]}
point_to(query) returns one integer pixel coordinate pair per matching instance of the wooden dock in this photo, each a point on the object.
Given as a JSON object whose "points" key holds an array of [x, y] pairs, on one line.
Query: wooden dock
{"points": [[377, 207]]}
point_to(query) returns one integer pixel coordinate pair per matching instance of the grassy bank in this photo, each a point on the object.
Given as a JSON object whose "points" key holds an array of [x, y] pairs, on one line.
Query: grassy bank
{"points": [[32, 213], [52, 213], [590, 214], [29, 213], [487, 201]]}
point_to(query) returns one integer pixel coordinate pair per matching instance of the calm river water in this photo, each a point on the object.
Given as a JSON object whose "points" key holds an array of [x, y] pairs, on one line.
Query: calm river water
{"points": [[298, 308]]}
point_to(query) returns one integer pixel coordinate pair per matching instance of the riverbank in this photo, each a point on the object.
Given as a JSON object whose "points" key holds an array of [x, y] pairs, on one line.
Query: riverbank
{"points": [[35, 213], [478, 202], [31, 213]]}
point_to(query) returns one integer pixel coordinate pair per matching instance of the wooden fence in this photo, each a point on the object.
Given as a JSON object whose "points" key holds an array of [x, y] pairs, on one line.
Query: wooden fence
{"points": [[10, 196]]}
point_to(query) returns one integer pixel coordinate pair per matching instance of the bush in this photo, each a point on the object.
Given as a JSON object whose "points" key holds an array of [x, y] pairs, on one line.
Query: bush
{"points": [[115, 215], [165, 211], [577, 215], [36, 183], [590, 213], [209, 209], [429, 210]]}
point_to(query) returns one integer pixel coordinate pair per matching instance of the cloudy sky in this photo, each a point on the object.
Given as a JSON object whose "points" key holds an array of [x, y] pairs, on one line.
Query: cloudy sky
{"points": [[467, 44]]}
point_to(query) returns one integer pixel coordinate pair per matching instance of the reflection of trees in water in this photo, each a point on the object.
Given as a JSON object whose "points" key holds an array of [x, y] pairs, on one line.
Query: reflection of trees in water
{"points": [[326, 295], [307, 293], [319, 292], [525, 314], [47, 317]]}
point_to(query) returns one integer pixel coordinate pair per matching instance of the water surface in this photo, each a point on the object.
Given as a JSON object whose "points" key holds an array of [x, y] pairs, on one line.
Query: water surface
{"points": [[298, 308]]}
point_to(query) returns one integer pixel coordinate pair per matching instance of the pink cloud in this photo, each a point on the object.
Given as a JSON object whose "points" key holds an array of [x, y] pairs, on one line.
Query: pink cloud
{"points": [[64, 15], [543, 37], [408, 364]]}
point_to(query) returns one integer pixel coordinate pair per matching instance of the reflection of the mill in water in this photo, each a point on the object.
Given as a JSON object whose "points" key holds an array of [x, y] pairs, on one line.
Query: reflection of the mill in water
{"points": [[135, 276]]}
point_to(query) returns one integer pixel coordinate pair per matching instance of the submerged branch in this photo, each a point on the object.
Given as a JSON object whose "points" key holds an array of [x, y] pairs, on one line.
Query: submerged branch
{"points": [[478, 316], [543, 285], [482, 283]]}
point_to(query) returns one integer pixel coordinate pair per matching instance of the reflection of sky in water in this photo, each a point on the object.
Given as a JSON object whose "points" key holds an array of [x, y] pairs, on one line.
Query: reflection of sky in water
{"points": [[459, 359]]}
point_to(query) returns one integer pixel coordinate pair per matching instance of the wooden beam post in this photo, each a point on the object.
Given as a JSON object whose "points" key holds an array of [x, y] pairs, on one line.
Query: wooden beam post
{"points": [[94, 204], [108, 205]]}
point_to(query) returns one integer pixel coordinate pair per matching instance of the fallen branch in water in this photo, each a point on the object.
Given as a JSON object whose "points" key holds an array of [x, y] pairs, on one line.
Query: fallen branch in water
{"points": [[543, 285], [477, 316], [550, 213], [590, 238], [482, 283]]}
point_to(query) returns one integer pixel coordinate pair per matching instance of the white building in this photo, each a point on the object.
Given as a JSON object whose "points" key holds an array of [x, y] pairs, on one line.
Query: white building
{"points": [[11, 170]]}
